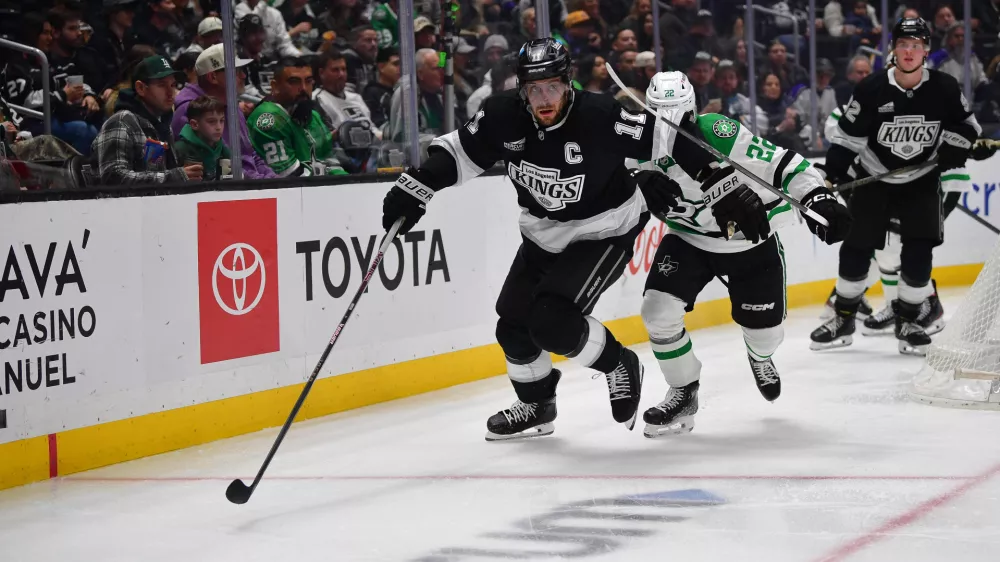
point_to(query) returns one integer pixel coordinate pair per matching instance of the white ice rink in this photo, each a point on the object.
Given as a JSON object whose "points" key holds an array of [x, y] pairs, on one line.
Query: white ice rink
{"points": [[841, 467]]}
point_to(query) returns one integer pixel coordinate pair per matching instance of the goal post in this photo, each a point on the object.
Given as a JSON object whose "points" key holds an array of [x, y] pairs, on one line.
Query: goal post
{"points": [[962, 366]]}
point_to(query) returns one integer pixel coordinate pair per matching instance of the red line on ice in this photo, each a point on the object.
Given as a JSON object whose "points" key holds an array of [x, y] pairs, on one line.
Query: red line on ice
{"points": [[886, 529], [522, 477], [53, 455]]}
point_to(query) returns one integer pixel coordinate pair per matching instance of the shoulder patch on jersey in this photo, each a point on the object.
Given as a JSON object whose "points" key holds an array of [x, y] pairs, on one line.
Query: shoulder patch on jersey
{"points": [[265, 121], [724, 128]]}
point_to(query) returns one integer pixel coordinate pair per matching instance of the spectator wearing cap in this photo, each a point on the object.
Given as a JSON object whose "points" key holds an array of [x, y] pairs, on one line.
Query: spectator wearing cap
{"points": [[494, 49], [700, 73], [159, 27], [211, 70], [858, 68], [278, 44], [645, 69], [378, 94], [111, 42], [303, 25], [624, 40], [951, 58], [135, 145], [136, 54], [424, 33], [581, 34], [593, 10], [465, 79], [790, 74], [733, 103], [251, 40], [825, 95], [209, 33]]}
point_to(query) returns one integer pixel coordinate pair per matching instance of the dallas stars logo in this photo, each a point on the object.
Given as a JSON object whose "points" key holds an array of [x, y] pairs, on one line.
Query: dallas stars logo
{"points": [[666, 267], [724, 128]]}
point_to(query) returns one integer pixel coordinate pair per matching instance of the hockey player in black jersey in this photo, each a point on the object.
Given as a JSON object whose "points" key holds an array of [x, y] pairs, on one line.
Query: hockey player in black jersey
{"points": [[903, 116], [564, 152]]}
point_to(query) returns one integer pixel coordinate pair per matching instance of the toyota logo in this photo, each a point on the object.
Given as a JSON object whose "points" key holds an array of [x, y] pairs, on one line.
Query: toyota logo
{"points": [[238, 272]]}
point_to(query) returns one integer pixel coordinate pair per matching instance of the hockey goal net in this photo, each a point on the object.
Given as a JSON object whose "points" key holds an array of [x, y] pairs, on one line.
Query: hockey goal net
{"points": [[962, 367]]}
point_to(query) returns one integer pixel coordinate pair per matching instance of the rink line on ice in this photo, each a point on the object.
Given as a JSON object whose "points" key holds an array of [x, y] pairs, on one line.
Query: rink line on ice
{"points": [[914, 514], [87, 448], [529, 477]]}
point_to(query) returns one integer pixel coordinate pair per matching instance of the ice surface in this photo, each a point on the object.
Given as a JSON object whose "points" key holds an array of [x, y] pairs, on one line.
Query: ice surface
{"points": [[841, 467]]}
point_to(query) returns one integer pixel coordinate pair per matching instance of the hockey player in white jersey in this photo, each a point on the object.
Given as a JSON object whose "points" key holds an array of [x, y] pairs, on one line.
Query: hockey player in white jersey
{"points": [[698, 249], [905, 115]]}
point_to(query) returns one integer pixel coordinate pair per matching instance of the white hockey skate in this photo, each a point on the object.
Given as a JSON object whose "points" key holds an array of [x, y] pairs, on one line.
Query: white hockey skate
{"points": [[675, 415]]}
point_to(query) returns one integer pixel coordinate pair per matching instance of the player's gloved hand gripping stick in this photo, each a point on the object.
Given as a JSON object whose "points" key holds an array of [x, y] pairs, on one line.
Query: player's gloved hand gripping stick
{"points": [[712, 150], [238, 492]]}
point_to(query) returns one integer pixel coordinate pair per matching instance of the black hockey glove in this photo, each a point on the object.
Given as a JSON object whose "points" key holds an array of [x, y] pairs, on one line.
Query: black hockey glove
{"points": [[734, 202], [659, 191], [408, 198], [825, 204], [983, 149]]}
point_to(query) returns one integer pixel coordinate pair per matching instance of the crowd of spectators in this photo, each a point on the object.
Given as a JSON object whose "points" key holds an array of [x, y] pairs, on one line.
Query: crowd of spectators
{"points": [[138, 86]]}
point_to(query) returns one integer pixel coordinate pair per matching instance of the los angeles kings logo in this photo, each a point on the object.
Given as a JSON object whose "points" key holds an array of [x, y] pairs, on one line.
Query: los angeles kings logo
{"points": [[546, 185], [908, 136]]}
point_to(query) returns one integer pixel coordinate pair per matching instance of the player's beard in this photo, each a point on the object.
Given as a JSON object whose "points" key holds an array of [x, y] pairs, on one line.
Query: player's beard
{"points": [[556, 111]]}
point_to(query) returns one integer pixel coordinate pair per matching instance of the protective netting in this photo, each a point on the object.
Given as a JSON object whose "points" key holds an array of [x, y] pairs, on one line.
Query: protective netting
{"points": [[969, 347]]}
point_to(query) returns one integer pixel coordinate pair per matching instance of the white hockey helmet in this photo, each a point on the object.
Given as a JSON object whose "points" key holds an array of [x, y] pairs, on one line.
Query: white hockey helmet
{"points": [[671, 91]]}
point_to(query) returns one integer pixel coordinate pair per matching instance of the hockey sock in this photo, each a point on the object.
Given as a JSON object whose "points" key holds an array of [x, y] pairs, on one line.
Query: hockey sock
{"points": [[598, 349], [890, 285], [530, 370], [677, 360], [762, 342], [914, 292], [851, 289]]}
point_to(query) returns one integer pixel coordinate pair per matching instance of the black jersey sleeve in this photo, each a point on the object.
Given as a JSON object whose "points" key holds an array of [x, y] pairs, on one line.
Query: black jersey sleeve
{"points": [[474, 146], [859, 115], [960, 128]]}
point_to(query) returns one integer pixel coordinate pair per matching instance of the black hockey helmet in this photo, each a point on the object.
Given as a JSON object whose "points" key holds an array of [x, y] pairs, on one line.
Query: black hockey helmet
{"points": [[543, 58], [911, 27]]}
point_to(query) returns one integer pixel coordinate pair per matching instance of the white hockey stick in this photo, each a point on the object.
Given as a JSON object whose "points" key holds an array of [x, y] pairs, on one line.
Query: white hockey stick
{"points": [[781, 194]]}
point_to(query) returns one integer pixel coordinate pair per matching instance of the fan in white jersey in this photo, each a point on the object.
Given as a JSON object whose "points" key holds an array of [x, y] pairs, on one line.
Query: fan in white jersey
{"points": [[697, 249]]}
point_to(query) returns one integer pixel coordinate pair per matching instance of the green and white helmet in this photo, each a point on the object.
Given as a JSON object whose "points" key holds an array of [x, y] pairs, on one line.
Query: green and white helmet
{"points": [[671, 91]]}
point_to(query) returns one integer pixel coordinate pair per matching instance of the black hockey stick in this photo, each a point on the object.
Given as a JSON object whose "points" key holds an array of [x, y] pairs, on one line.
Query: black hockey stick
{"points": [[711, 149], [238, 492], [978, 219], [878, 177]]}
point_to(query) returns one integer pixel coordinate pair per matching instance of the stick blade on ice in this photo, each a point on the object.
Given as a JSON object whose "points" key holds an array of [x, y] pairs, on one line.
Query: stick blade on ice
{"points": [[238, 492]]}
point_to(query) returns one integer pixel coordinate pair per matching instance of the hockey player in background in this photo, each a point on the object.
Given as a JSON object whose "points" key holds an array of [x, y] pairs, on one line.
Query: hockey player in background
{"points": [[564, 152], [905, 115], [698, 249]]}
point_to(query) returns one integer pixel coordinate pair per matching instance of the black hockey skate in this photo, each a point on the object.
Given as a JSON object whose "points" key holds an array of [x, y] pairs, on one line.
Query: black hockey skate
{"points": [[625, 388], [931, 317], [766, 376], [881, 323], [675, 415], [913, 340], [836, 332], [524, 420]]}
